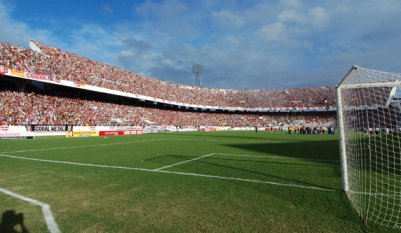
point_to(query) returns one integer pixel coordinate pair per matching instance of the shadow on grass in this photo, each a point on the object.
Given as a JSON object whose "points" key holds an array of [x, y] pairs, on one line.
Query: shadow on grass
{"points": [[262, 135], [255, 160], [10, 220], [323, 150], [154, 158], [264, 174]]}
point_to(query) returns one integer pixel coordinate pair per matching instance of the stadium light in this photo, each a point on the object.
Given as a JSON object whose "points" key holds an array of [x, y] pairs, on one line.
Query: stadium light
{"points": [[197, 70]]}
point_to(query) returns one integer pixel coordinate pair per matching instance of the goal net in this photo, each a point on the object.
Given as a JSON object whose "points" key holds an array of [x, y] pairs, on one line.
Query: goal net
{"points": [[369, 121]]}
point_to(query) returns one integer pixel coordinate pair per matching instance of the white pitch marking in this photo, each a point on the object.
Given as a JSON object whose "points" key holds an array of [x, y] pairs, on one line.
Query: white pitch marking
{"points": [[250, 180], [47, 214], [186, 161], [75, 163], [177, 173], [279, 157]]}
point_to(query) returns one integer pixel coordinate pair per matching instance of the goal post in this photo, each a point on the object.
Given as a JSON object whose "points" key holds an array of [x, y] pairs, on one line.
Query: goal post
{"points": [[343, 157], [369, 122]]}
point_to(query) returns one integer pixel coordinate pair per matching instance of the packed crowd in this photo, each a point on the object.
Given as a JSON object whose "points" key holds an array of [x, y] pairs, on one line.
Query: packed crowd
{"points": [[59, 64], [311, 130], [22, 108]]}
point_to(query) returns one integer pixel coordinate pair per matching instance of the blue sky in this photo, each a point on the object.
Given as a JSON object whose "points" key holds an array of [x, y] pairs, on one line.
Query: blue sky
{"points": [[241, 44]]}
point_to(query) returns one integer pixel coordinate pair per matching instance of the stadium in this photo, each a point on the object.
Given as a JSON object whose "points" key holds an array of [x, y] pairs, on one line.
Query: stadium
{"points": [[99, 148]]}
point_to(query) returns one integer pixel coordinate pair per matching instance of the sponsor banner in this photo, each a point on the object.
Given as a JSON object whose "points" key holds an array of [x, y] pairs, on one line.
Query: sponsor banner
{"points": [[226, 128], [86, 128], [4, 128], [16, 137], [243, 129], [110, 133], [271, 129], [137, 131], [117, 128], [41, 77], [36, 76], [214, 128], [83, 134], [106, 128], [120, 132], [49, 128], [14, 132], [80, 85], [10, 134], [17, 73], [94, 131]]}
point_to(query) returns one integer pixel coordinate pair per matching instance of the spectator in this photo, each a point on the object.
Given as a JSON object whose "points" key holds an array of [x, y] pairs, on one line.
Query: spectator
{"points": [[61, 65]]}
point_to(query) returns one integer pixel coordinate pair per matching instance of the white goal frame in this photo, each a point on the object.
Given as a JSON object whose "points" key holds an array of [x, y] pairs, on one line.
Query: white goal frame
{"points": [[369, 123]]}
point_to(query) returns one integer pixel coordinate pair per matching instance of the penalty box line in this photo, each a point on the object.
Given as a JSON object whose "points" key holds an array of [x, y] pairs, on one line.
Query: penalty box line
{"points": [[175, 173], [240, 155], [186, 161]]}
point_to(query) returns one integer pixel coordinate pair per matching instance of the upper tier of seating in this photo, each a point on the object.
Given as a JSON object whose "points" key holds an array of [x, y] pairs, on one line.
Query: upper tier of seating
{"points": [[64, 65]]}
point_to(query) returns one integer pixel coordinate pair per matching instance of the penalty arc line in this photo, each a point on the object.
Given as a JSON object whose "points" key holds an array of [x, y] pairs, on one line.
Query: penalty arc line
{"points": [[176, 173], [47, 214]]}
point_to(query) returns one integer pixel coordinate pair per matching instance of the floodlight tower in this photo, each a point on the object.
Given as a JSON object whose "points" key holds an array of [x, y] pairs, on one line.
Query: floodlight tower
{"points": [[197, 70]]}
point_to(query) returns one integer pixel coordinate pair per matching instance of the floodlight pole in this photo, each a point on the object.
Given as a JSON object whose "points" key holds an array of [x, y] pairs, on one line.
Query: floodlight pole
{"points": [[197, 70]]}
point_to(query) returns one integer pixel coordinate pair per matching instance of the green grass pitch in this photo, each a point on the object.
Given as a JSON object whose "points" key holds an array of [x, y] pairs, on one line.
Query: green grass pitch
{"points": [[186, 182]]}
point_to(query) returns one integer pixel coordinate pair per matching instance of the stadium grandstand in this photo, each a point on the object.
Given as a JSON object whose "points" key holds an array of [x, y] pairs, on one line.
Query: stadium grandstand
{"points": [[42, 85], [200, 116]]}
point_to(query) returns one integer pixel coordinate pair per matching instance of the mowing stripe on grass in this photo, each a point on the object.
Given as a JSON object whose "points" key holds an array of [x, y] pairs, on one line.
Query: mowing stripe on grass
{"points": [[176, 173], [77, 147], [120, 143], [186, 161], [47, 214], [280, 157]]}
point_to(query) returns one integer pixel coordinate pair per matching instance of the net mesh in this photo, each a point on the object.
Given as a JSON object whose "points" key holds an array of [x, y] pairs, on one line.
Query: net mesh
{"points": [[371, 133]]}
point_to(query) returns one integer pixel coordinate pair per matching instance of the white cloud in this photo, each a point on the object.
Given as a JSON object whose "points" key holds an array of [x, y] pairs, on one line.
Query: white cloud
{"points": [[262, 45], [273, 32], [14, 31], [233, 41], [319, 16], [225, 19], [291, 16], [316, 17]]}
